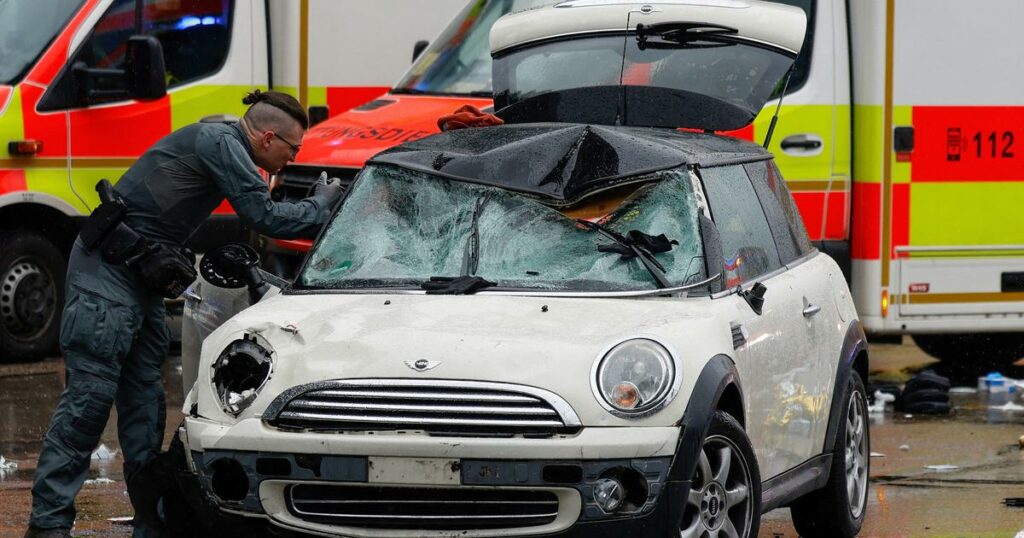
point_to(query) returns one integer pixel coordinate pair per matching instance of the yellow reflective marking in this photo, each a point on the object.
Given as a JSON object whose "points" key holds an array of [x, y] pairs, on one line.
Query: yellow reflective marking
{"points": [[192, 104], [867, 159], [793, 120], [85, 180], [946, 298], [969, 213], [841, 159], [53, 182], [11, 125], [316, 96]]}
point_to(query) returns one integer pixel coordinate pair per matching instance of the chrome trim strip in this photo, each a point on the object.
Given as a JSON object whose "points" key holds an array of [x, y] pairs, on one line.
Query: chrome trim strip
{"points": [[421, 517], [452, 396], [417, 420], [407, 501], [306, 403]]}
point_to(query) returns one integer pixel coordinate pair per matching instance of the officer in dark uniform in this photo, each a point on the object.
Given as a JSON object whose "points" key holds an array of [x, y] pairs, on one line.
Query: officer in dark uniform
{"points": [[129, 258]]}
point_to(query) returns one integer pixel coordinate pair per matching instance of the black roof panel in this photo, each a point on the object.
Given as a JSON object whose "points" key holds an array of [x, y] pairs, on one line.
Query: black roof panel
{"points": [[563, 163]]}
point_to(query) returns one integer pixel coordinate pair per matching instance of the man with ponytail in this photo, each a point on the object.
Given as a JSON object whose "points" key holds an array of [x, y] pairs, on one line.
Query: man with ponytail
{"points": [[128, 258]]}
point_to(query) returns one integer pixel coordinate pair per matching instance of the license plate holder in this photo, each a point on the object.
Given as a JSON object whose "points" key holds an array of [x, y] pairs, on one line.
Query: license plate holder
{"points": [[417, 471]]}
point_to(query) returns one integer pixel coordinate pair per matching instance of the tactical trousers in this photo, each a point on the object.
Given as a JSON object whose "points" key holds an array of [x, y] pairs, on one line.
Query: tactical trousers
{"points": [[114, 340]]}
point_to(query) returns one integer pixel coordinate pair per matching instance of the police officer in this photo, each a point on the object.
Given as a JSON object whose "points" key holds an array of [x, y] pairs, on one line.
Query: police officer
{"points": [[128, 258]]}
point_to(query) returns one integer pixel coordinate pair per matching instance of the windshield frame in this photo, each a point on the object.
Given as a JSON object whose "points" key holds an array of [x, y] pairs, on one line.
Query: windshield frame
{"points": [[700, 288], [74, 9]]}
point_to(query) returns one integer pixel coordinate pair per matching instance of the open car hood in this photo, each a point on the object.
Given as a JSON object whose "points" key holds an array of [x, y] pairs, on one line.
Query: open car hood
{"points": [[700, 64]]}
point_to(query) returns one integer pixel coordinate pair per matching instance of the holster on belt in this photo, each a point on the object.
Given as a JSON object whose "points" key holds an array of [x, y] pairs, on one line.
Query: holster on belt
{"points": [[163, 269]]}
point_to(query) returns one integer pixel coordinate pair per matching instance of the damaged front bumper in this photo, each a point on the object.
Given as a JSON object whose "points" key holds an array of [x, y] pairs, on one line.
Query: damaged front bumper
{"points": [[336, 484]]}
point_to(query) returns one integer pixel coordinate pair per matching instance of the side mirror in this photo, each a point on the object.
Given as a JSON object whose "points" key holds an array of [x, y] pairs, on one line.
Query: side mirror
{"points": [[145, 73], [755, 297], [418, 48], [228, 266]]}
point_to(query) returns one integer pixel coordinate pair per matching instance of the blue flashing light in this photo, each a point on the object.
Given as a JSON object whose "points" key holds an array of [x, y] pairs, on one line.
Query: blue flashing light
{"points": [[188, 22], [209, 21]]}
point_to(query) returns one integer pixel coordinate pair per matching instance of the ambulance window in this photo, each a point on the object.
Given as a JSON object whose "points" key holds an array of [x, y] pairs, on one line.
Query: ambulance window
{"points": [[194, 34], [785, 239], [748, 248], [802, 67], [26, 30]]}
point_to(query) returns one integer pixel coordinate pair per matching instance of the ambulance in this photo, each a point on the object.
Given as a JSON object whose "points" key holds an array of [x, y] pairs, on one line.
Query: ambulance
{"points": [[900, 133], [74, 109]]}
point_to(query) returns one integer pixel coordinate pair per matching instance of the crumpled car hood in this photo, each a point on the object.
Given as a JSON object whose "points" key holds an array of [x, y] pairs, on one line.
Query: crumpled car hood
{"points": [[550, 343]]}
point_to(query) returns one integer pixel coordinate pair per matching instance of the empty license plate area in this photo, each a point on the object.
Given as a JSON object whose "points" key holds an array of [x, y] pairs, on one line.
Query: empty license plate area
{"points": [[425, 471]]}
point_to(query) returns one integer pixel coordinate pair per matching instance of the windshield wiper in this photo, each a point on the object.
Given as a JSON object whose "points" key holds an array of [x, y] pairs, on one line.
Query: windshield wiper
{"points": [[471, 257], [466, 283], [637, 245]]}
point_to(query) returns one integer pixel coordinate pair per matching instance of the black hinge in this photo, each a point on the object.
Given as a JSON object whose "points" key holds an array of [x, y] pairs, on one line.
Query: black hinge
{"points": [[738, 338]]}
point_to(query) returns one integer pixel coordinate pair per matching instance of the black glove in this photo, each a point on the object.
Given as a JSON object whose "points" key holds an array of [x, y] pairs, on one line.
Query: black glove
{"points": [[329, 188]]}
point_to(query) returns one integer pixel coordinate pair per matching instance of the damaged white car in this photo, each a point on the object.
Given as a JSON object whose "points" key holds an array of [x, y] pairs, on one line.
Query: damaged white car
{"points": [[582, 323]]}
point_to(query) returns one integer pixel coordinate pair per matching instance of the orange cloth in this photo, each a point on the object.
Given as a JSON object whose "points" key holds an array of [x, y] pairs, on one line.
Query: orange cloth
{"points": [[467, 116]]}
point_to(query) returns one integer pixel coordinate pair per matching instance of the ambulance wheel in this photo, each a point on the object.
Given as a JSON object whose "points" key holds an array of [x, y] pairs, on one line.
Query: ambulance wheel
{"points": [[964, 351], [31, 295]]}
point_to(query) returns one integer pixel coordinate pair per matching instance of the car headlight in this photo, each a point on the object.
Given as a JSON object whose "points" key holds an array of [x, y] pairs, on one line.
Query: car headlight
{"points": [[240, 372], [635, 378]]}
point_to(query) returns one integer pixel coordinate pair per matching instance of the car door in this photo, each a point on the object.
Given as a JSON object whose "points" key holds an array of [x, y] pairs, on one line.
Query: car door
{"points": [[771, 353]]}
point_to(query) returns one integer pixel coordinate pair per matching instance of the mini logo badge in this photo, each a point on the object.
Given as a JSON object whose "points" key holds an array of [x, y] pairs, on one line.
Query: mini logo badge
{"points": [[422, 365]]}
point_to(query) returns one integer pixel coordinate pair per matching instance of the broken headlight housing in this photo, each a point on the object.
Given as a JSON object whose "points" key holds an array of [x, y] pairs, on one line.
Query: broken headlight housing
{"points": [[636, 378], [240, 372]]}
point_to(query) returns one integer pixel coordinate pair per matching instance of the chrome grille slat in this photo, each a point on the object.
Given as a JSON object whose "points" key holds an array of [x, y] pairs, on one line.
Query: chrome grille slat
{"points": [[420, 395], [442, 407], [326, 404], [422, 508], [337, 417]]}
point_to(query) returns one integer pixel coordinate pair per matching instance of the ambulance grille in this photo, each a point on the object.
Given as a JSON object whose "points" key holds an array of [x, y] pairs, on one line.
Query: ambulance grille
{"points": [[438, 407]]}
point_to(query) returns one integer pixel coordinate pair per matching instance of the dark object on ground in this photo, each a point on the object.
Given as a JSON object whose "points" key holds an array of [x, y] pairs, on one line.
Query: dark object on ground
{"points": [[1014, 502], [927, 393]]}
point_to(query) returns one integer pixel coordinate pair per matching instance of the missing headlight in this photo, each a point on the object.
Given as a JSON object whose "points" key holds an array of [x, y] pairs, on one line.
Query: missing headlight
{"points": [[240, 372]]}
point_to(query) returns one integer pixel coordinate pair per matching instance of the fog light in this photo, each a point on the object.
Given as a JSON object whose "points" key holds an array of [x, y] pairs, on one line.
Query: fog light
{"points": [[625, 395], [609, 494]]}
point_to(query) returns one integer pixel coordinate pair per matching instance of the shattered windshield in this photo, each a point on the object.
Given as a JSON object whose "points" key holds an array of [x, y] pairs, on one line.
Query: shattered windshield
{"points": [[400, 228], [26, 29], [458, 62]]}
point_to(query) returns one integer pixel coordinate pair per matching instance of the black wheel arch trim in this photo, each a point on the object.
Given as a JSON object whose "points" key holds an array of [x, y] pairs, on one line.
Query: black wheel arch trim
{"points": [[718, 374], [854, 344]]}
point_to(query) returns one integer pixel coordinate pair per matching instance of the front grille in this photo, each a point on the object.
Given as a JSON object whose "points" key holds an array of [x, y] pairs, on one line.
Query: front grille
{"points": [[421, 508], [435, 406], [294, 181]]}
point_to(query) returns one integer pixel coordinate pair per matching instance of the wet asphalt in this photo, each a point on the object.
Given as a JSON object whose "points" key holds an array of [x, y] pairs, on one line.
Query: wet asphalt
{"points": [[906, 498]]}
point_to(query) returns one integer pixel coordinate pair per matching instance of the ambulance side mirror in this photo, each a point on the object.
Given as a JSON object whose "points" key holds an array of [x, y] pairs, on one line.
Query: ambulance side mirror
{"points": [[145, 74]]}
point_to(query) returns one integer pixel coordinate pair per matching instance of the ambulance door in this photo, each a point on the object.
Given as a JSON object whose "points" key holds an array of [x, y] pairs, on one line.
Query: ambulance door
{"points": [[811, 142], [207, 48], [957, 183]]}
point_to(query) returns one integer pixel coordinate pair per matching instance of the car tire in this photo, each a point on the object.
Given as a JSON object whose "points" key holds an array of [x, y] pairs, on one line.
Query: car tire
{"points": [[837, 510], [32, 271], [726, 475]]}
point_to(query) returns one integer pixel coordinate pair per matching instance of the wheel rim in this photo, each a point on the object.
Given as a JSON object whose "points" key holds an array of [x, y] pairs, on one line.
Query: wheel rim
{"points": [[856, 454], [719, 502], [28, 299]]}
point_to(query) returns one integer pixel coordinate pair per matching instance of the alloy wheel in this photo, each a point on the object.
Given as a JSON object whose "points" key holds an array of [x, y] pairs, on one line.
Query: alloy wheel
{"points": [[719, 502], [856, 455]]}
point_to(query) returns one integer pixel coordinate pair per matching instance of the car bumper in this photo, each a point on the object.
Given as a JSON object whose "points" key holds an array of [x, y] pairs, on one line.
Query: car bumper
{"points": [[269, 463]]}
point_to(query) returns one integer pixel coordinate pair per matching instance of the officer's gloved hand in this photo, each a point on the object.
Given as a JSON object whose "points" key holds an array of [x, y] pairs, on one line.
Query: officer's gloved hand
{"points": [[328, 188]]}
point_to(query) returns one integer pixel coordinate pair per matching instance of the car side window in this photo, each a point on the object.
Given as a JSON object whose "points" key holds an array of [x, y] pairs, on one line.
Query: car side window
{"points": [[765, 185], [796, 223], [194, 34], [748, 247]]}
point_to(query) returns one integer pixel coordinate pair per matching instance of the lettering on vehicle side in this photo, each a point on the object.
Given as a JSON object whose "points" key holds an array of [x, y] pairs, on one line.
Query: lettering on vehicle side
{"points": [[397, 135]]}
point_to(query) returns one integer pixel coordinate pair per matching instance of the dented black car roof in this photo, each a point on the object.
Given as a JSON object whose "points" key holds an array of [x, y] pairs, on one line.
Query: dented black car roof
{"points": [[563, 163]]}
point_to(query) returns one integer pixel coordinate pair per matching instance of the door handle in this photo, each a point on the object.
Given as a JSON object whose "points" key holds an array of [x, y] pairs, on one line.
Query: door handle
{"points": [[801, 144], [811, 309]]}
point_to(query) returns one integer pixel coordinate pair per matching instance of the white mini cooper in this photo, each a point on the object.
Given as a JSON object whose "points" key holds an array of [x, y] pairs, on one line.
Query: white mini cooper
{"points": [[584, 322]]}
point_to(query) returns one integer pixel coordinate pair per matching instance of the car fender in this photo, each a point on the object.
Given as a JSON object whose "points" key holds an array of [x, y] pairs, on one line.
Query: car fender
{"points": [[717, 375], [854, 343]]}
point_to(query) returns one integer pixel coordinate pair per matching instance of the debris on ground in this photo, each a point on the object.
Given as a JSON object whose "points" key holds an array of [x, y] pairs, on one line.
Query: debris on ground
{"points": [[103, 453], [877, 455], [963, 390], [880, 399], [1008, 406], [7, 466], [942, 468], [905, 448], [926, 393], [1020, 441], [124, 520], [1016, 502], [98, 482]]}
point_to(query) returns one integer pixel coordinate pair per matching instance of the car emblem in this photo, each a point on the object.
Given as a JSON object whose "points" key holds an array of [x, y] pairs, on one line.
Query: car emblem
{"points": [[422, 365]]}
